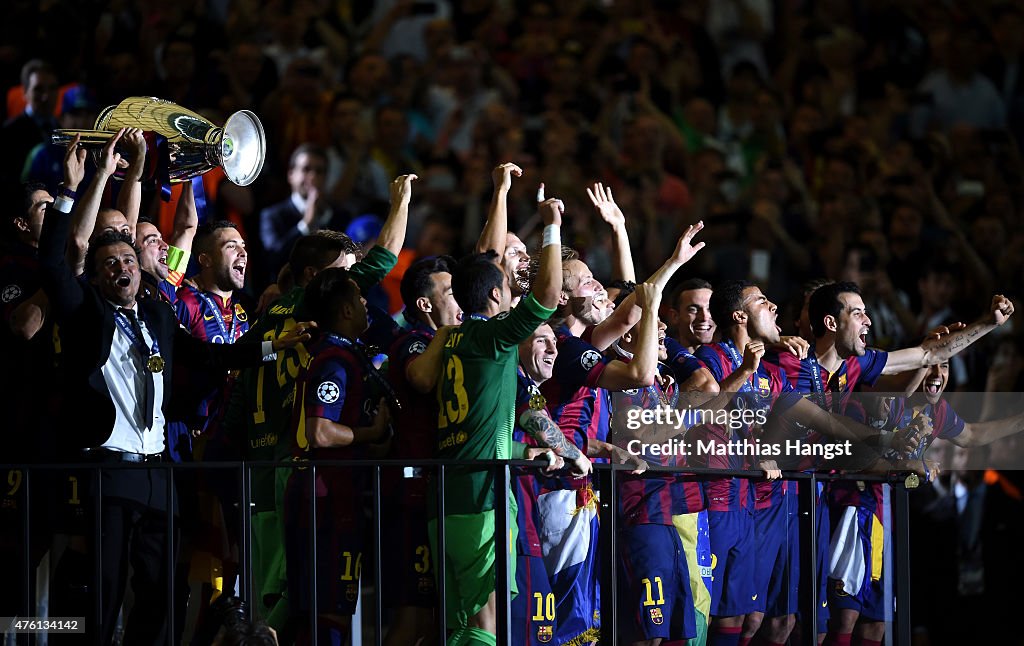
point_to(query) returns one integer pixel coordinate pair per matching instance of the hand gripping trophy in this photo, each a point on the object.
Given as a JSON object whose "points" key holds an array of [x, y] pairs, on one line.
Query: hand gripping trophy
{"points": [[183, 145]]}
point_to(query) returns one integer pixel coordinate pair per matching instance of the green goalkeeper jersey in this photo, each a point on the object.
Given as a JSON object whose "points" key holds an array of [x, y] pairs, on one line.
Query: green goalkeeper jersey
{"points": [[260, 407], [477, 397]]}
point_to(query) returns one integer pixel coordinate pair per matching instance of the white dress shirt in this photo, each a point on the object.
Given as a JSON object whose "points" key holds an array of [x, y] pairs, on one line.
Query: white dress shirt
{"points": [[125, 374]]}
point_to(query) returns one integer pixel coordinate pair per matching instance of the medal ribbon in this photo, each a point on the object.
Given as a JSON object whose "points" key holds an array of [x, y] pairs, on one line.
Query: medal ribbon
{"points": [[219, 317]]}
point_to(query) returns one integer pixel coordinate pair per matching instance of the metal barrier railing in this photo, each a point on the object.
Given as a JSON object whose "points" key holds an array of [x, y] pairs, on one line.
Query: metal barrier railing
{"points": [[606, 480]]}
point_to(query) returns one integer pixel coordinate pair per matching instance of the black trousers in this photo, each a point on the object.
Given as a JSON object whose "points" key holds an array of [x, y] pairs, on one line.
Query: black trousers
{"points": [[135, 536]]}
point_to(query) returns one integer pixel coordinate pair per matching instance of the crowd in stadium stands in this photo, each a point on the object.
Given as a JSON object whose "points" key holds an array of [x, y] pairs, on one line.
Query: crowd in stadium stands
{"points": [[499, 229]]}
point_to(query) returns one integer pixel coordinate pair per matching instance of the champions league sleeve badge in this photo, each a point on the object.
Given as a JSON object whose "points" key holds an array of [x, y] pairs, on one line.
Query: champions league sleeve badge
{"points": [[589, 359], [328, 392]]}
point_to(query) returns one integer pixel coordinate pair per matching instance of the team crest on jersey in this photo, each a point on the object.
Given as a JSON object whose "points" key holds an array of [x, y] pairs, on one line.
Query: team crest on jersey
{"points": [[417, 347], [764, 386], [842, 382], [10, 293], [656, 617], [328, 392], [589, 359], [351, 592], [545, 634], [240, 313]]}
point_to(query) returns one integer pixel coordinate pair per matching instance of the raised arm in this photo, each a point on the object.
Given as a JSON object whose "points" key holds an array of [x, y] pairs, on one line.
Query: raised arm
{"points": [[496, 228], [86, 209], [641, 371], [622, 255], [186, 220], [934, 351], [982, 433], [392, 234], [548, 286], [627, 314], [129, 199]]}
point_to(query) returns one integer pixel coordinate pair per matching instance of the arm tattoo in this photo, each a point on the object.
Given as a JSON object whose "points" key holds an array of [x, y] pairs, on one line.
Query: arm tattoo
{"points": [[541, 428]]}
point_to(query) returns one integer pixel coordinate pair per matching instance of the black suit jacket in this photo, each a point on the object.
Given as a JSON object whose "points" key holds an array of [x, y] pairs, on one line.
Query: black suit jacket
{"points": [[278, 233], [86, 324]]}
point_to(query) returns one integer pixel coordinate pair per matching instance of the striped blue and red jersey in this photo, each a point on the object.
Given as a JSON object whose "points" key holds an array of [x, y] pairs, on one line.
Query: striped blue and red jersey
{"points": [[577, 405], [811, 378], [682, 363], [335, 386], [768, 391], [210, 318], [653, 498], [416, 424]]}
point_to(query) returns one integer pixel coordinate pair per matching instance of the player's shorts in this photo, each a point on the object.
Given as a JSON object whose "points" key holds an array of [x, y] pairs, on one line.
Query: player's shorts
{"points": [[533, 609], [340, 536], [408, 567], [777, 568], [733, 563], [470, 561], [654, 584], [693, 531], [822, 518], [569, 529], [857, 564]]}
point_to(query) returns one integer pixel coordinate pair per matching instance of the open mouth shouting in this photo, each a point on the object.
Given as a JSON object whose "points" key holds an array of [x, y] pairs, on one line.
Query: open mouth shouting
{"points": [[238, 271], [933, 386], [123, 281]]}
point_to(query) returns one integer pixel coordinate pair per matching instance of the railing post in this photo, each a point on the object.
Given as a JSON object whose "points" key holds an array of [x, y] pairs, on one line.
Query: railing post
{"points": [[502, 586], [171, 545], [378, 572], [314, 605], [440, 557], [900, 502], [609, 564], [245, 582], [97, 547]]}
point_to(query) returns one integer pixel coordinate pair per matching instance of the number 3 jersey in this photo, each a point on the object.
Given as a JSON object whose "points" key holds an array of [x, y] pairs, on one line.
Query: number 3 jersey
{"points": [[477, 398]]}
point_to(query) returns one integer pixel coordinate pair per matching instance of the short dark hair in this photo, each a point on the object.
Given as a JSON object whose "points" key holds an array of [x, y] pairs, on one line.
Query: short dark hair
{"points": [[825, 302], [726, 298], [417, 282], [689, 285], [106, 239], [27, 189], [326, 293], [205, 233], [320, 249], [474, 278], [310, 149]]}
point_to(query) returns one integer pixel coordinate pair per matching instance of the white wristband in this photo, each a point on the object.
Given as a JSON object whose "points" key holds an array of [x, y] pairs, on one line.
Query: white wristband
{"points": [[63, 204], [552, 235]]}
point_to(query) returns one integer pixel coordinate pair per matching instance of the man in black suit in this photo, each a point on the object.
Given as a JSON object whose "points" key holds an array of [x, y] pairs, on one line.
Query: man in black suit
{"points": [[118, 356], [306, 210], [32, 127]]}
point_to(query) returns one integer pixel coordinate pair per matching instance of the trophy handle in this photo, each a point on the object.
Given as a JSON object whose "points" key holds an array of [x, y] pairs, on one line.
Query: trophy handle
{"points": [[89, 138]]}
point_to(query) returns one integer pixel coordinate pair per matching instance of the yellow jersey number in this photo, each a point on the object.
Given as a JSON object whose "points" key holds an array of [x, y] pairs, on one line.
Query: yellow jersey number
{"points": [[453, 412], [287, 368]]}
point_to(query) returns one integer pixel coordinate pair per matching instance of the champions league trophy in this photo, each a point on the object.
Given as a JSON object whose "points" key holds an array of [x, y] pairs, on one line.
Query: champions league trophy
{"points": [[183, 145]]}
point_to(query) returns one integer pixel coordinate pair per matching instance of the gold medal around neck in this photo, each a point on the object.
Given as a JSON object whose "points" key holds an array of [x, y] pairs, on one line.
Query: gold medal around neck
{"points": [[155, 363], [912, 481], [537, 401]]}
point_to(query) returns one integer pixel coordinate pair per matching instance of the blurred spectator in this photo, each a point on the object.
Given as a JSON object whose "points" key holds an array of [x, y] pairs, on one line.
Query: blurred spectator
{"points": [[32, 127]]}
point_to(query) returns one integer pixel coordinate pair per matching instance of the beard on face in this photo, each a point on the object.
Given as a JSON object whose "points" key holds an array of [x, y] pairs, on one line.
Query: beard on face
{"points": [[582, 307]]}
